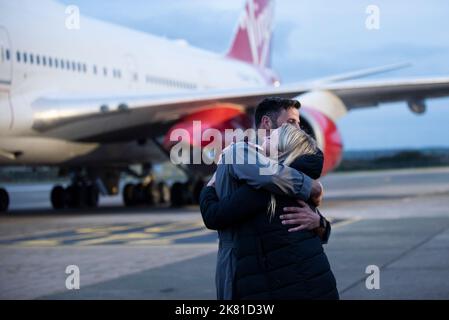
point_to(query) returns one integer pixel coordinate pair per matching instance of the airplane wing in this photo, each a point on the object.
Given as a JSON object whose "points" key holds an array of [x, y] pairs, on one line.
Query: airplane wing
{"points": [[116, 118], [365, 94], [362, 73], [121, 118]]}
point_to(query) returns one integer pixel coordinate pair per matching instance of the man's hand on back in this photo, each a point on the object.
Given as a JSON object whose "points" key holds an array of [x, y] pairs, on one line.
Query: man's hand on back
{"points": [[316, 194], [303, 216]]}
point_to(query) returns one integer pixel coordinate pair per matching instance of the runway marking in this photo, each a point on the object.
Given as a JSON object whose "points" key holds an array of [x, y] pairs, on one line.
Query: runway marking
{"points": [[185, 232], [343, 222], [135, 234], [40, 243]]}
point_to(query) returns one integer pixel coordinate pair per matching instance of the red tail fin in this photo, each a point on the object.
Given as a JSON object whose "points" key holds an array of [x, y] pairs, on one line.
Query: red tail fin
{"points": [[252, 41]]}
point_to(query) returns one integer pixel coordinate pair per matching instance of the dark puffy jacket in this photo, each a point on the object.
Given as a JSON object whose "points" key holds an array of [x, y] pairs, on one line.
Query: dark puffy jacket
{"points": [[273, 263]]}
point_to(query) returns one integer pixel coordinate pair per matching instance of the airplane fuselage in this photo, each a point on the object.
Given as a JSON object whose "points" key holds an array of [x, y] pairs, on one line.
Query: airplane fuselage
{"points": [[41, 56]]}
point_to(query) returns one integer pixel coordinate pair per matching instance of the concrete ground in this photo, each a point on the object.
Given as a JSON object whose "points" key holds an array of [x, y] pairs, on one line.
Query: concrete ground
{"points": [[396, 220]]}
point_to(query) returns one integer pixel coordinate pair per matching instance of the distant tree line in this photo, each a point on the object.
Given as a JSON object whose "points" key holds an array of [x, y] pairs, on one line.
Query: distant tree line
{"points": [[382, 159]]}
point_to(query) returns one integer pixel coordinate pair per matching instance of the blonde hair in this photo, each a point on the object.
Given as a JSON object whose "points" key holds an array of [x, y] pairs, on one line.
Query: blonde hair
{"points": [[292, 143]]}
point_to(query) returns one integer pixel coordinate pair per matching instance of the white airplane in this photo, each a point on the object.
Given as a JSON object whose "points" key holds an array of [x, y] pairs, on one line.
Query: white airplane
{"points": [[95, 100]]}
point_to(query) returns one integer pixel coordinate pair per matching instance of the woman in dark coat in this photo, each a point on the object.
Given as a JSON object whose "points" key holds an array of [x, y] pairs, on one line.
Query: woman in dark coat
{"points": [[273, 263]]}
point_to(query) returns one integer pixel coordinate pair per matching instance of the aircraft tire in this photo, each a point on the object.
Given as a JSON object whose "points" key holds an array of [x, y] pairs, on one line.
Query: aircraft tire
{"points": [[178, 194], [58, 197], [74, 196], [92, 196], [151, 194], [4, 200], [128, 195]]}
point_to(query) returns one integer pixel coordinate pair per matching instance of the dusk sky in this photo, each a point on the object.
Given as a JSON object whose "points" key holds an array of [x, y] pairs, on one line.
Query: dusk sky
{"points": [[314, 39]]}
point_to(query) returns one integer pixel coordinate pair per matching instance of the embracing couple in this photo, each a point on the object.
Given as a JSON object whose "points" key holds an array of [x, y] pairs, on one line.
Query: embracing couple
{"points": [[271, 233]]}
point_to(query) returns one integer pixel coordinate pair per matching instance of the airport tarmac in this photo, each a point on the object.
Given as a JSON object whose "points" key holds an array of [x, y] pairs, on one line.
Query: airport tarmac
{"points": [[397, 220]]}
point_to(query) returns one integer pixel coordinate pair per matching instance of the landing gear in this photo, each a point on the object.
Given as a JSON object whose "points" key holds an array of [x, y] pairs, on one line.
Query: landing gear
{"points": [[164, 193], [87, 183], [4, 200], [76, 195], [148, 192], [57, 197], [93, 196], [179, 194], [128, 194], [145, 194], [151, 193], [186, 193]]}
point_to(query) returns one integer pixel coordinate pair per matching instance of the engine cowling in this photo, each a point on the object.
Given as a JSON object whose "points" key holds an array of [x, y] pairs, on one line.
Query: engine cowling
{"points": [[228, 116], [326, 133], [218, 117]]}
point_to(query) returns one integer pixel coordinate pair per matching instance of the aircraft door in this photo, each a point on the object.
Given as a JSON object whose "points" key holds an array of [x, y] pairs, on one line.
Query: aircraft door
{"points": [[131, 72], [5, 81]]}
